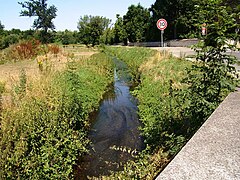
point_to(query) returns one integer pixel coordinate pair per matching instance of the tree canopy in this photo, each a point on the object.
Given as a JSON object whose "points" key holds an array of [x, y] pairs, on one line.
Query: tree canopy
{"points": [[1, 26], [136, 22], [44, 13], [91, 28]]}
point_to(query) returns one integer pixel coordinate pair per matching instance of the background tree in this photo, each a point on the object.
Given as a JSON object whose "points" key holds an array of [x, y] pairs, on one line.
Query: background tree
{"points": [[44, 13], [213, 77], [91, 28], [1, 26], [177, 13], [120, 34], [66, 37], [136, 23]]}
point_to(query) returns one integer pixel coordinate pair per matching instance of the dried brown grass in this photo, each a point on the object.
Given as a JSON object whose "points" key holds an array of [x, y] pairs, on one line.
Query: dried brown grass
{"points": [[54, 60]]}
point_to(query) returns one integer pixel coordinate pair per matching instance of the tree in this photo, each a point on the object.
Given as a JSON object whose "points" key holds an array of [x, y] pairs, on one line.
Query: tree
{"points": [[66, 37], [91, 28], [177, 13], [120, 34], [136, 23], [213, 76], [44, 13], [1, 26]]}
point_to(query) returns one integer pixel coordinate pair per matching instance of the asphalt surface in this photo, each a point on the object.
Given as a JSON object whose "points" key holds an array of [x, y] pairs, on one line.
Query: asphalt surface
{"points": [[185, 51], [188, 52]]}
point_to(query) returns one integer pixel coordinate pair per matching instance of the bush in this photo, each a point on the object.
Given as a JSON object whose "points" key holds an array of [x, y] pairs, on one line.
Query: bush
{"points": [[8, 40], [44, 135], [159, 77]]}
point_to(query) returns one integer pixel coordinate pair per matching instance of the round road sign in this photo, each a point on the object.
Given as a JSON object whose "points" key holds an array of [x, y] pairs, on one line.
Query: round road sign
{"points": [[161, 24]]}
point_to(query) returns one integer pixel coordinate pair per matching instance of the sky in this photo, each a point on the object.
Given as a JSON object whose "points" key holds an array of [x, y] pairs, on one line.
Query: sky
{"points": [[69, 12]]}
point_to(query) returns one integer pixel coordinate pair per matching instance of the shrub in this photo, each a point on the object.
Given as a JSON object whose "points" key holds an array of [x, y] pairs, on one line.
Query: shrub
{"points": [[21, 51], [54, 49], [2, 88], [8, 40], [46, 133]]}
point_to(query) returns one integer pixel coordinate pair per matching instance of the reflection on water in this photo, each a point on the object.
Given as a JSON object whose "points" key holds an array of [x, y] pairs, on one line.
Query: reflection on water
{"points": [[116, 125]]}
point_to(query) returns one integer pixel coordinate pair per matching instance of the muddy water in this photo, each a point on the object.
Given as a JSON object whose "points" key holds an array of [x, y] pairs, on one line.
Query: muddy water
{"points": [[116, 125]]}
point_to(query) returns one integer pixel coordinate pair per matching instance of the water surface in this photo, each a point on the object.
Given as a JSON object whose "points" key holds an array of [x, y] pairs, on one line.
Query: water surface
{"points": [[116, 125]]}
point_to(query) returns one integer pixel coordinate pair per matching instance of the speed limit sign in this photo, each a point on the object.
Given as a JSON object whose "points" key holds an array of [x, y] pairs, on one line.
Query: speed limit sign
{"points": [[161, 24]]}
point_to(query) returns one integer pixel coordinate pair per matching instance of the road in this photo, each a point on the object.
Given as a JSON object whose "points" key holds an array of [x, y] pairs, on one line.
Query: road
{"points": [[184, 52]]}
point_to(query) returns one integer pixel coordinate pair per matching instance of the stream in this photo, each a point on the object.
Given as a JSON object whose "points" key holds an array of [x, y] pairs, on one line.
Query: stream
{"points": [[115, 128]]}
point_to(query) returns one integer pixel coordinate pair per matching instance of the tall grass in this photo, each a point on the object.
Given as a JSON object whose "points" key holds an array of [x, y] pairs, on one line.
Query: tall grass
{"points": [[159, 76], [27, 49], [45, 132], [133, 57]]}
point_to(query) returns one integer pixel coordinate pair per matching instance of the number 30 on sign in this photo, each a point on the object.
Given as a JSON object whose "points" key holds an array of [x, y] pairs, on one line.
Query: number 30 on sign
{"points": [[161, 24]]}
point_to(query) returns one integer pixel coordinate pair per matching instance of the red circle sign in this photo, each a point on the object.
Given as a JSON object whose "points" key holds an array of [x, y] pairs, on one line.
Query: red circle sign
{"points": [[161, 24]]}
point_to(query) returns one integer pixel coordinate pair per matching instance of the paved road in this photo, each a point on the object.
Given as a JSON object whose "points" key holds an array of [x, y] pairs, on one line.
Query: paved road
{"points": [[184, 51]]}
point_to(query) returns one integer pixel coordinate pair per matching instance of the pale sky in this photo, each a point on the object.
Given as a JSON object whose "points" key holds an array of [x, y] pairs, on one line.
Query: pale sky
{"points": [[69, 11]]}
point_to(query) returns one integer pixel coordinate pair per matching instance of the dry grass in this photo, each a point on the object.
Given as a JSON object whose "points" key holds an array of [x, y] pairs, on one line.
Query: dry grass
{"points": [[54, 61], [156, 59]]}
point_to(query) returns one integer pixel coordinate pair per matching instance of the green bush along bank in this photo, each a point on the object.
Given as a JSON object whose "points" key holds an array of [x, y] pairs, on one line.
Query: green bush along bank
{"points": [[44, 132], [172, 94], [133, 57], [159, 76]]}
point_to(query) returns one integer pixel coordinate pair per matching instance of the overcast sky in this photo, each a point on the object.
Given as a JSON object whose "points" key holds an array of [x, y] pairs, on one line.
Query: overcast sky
{"points": [[69, 11]]}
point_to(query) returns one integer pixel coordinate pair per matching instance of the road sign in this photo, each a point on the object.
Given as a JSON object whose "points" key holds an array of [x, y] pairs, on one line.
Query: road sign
{"points": [[161, 24]]}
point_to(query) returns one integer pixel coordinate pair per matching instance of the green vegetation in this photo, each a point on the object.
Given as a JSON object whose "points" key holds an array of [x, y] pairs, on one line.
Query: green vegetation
{"points": [[214, 76], [174, 101], [132, 57], [91, 28], [159, 76], [175, 97], [44, 132], [135, 23], [44, 13]]}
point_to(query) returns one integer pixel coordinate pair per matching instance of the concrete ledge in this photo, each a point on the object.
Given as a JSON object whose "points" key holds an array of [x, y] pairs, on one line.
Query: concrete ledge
{"points": [[213, 153], [170, 43]]}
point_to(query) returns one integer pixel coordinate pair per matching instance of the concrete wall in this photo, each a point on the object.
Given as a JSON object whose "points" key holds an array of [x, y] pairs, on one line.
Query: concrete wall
{"points": [[171, 43], [213, 153]]}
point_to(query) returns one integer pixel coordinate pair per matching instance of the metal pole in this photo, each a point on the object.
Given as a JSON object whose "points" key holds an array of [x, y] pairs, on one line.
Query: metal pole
{"points": [[162, 31]]}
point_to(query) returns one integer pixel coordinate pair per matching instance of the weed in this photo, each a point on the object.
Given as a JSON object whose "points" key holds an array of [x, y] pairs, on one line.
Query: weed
{"points": [[20, 89], [159, 76], [46, 133], [54, 49], [2, 88]]}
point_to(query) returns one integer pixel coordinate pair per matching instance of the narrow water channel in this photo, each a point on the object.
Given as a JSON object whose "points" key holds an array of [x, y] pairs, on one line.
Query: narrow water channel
{"points": [[116, 125]]}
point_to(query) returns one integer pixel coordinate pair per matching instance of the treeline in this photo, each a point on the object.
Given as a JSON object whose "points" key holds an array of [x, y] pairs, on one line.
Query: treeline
{"points": [[137, 25], [9, 37]]}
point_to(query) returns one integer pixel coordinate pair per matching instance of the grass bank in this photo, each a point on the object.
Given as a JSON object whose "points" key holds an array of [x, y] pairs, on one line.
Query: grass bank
{"points": [[175, 97], [43, 130], [159, 75]]}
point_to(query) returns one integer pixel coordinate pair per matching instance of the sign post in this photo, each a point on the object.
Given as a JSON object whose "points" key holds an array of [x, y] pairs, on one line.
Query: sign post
{"points": [[162, 32], [161, 25]]}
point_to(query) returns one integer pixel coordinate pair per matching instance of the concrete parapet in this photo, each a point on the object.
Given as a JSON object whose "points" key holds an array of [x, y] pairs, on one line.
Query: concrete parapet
{"points": [[170, 43], [213, 153]]}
